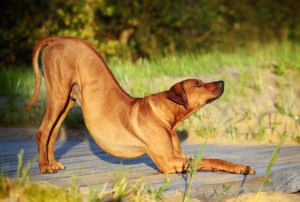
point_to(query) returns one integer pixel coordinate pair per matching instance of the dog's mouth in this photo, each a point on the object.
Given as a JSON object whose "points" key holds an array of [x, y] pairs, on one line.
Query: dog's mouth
{"points": [[211, 100], [216, 89], [219, 92]]}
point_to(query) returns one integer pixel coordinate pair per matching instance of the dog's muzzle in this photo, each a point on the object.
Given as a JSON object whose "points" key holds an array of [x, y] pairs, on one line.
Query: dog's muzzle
{"points": [[218, 91]]}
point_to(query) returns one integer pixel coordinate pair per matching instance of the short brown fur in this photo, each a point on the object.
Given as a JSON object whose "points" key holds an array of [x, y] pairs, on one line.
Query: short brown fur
{"points": [[121, 125]]}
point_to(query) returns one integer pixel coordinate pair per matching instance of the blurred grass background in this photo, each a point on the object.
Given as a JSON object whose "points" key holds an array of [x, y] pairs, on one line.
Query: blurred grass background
{"points": [[150, 45]]}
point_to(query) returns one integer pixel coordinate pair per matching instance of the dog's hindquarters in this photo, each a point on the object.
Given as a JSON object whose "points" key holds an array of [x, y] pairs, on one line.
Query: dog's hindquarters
{"points": [[58, 81], [35, 56]]}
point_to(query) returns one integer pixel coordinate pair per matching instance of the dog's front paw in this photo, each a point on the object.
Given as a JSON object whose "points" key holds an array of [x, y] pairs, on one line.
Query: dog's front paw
{"points": [[245, 170]]}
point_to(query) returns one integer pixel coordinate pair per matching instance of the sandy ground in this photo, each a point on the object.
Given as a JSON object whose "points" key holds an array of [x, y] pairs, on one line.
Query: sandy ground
{"points": [[265, 197]]}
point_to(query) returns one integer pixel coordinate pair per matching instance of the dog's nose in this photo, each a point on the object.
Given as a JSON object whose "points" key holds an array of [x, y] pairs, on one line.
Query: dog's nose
{"points": [[220, 84]]}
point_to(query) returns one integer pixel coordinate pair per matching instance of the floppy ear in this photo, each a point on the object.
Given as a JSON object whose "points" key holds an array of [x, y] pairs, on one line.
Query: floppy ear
{"points": [[177, 94]]}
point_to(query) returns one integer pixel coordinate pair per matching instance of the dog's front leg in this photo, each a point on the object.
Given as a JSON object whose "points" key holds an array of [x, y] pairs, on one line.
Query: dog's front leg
{"points": [[176, 145], [167, 162], [221, 165]]}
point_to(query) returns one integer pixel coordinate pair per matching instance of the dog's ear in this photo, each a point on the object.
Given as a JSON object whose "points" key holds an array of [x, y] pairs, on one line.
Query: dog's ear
{"points": [[178, 95]]}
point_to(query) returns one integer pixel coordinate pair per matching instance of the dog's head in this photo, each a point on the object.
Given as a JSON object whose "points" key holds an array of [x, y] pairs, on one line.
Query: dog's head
{"points": [[193, 93]]}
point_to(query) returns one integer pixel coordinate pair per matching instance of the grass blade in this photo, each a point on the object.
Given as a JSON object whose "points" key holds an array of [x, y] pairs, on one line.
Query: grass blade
{"points": [[194, 165]]}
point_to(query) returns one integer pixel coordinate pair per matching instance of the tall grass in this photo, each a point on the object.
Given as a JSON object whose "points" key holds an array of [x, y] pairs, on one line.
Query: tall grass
{"points": [[274, 156], [23, 170], [21, 178], [16, 81], [193, 168]]}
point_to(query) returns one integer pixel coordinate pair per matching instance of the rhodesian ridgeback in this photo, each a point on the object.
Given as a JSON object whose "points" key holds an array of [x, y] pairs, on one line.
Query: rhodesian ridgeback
{"points": [[120, 124]]}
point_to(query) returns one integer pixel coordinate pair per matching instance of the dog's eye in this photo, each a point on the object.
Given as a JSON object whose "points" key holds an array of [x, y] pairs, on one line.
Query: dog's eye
{"points": [[198, 84]]}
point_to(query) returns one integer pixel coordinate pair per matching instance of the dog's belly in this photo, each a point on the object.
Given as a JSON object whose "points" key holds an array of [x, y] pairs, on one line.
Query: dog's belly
{"points": [[118, 144], [119, 148], [122, 151], [103, 111]]}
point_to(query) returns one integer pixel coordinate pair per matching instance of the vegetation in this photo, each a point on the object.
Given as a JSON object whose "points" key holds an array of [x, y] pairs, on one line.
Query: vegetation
{"points": [[193, 168], [151, 29], [274, 156], [21, 188], [259, 104]]}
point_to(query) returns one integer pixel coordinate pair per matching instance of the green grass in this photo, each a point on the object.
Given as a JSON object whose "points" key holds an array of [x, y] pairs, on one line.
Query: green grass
{"points": [[278, 57], [253, 78], [16, 81], [138, 191]]}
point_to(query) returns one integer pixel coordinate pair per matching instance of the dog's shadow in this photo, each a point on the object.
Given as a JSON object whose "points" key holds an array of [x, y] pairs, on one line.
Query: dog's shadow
{"points": [[68, 145], [115, 160]]}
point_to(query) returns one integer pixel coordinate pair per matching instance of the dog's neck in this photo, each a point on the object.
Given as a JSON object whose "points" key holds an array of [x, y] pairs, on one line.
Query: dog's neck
{"points": [[169, 112]]}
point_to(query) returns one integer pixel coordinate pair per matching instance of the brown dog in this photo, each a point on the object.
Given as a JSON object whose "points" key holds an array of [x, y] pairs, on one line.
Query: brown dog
{"points": [[121, 125]]}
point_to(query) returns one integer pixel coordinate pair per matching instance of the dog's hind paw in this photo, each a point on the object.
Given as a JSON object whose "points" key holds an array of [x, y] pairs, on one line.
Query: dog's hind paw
{"points": [[47, 169], [57, 165], [51, 167]]}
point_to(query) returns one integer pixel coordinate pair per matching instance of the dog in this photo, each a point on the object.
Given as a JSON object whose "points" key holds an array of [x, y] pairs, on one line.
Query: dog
{"points": [[120, 124]]}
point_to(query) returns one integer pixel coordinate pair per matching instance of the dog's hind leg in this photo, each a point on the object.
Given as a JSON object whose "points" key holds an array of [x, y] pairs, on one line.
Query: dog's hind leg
{"points": [[55, 110], [51, 157]]}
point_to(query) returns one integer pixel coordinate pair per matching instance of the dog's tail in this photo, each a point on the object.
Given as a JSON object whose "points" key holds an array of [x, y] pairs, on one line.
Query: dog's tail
{"points": [[35, 62]]}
